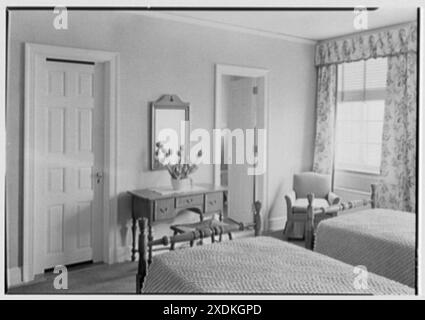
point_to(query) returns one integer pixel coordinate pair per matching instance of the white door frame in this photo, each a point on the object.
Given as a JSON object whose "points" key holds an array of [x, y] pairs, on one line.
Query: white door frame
{"points": [[111, 60], [241, 71]]}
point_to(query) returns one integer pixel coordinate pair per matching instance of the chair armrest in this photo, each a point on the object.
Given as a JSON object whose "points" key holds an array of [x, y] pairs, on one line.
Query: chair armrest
{"points": [[290, 198], [333, 198]]}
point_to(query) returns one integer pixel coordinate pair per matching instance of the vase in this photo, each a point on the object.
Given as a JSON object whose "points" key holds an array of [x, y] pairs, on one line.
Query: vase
{"points": [[181, 184]]}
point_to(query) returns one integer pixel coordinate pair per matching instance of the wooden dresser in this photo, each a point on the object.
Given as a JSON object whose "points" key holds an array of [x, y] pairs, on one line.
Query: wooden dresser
{"points": [[157, 207]]}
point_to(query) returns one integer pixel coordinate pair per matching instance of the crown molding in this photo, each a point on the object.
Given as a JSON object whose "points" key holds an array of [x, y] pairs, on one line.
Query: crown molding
{"points": [[369, 31], [223, 26]]}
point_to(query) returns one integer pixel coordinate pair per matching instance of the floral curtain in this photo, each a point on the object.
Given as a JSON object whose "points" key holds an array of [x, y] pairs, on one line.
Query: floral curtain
{"points": [[325, 118], [395, 41], [398, 163]]}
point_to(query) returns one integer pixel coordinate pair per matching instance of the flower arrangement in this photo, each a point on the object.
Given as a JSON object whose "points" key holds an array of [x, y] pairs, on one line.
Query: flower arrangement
{"points": [[174, 163]]}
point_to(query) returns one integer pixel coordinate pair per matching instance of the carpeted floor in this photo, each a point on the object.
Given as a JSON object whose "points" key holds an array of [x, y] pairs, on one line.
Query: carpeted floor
{"points": [[119, 278], [102, 278]]}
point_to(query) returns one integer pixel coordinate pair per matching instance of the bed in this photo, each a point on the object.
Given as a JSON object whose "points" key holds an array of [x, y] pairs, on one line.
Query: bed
{"points": [[259, 265], [381, 240]]}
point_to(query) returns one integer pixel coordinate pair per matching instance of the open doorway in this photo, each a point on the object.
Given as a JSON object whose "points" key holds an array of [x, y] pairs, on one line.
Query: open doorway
{"points": [[241, 110]]}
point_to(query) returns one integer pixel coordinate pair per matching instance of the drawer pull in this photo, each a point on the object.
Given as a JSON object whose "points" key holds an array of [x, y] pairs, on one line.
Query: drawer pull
{"points": [[163, 210], [189, 201], [212, 202]]}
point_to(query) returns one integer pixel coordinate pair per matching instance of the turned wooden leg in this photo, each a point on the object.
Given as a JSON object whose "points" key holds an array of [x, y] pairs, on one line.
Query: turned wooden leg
{"points": [[150, 239], [201, 237], [133, 246], [138, 284], [142, 268], [309, 224], [373, 195], [173, 244]]}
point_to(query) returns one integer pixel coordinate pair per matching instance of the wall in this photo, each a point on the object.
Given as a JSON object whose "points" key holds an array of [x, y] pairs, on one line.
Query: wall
{"points": [[158, 57]]}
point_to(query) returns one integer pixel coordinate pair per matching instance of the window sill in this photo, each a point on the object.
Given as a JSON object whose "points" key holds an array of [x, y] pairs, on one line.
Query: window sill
{"points": [[356, 191], [360, 172]]}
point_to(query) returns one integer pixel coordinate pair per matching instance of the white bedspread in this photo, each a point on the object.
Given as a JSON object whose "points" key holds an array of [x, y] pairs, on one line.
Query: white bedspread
{"points": [[381, 240], [258, 265]]}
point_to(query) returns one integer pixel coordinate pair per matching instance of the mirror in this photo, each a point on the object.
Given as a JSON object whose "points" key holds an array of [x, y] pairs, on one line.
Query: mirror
{"points": [[169, 114]]}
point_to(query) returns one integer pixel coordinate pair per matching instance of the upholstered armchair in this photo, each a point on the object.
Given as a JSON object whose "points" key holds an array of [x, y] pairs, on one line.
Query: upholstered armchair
{"points": [[296, 201]]}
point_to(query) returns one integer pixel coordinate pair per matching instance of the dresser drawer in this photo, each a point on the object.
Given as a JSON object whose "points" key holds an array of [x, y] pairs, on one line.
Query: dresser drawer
{"points": [[213, 201], [164, 209], [195, 200]]}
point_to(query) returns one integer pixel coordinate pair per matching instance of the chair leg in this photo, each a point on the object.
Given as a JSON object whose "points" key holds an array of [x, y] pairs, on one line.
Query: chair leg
{"points": [[294, 230], [285, 229], [289, 229]]}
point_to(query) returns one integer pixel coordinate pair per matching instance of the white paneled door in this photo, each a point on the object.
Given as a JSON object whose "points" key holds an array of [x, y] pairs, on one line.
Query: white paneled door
{"points": [[69, 162]]}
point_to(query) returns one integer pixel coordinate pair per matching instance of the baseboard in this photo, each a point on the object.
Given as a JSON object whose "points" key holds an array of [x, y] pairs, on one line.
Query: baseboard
{"points": [[276, 224], [14, 276]]}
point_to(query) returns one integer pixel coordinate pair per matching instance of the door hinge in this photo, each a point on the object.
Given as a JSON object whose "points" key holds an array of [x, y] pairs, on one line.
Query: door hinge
{"points": [[99, 177], [255, 90]]}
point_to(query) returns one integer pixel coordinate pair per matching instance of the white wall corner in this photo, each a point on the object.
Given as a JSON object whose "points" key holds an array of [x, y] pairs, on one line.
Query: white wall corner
{"points": [[14, 276]]}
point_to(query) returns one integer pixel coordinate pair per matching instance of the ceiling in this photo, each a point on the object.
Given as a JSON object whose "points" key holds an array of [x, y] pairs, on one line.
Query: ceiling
{"points": [[309, 25]]}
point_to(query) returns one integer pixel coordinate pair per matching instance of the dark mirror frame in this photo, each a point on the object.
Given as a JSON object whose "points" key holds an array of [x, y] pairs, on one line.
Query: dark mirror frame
{"points": [[166, 102]]}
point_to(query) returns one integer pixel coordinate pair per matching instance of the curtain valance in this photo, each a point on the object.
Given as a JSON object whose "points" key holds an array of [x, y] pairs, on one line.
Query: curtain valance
{"points": [[389, 42]]}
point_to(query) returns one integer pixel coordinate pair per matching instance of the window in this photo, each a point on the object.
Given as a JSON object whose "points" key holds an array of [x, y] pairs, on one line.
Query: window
{"points": [[360, 115]]}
